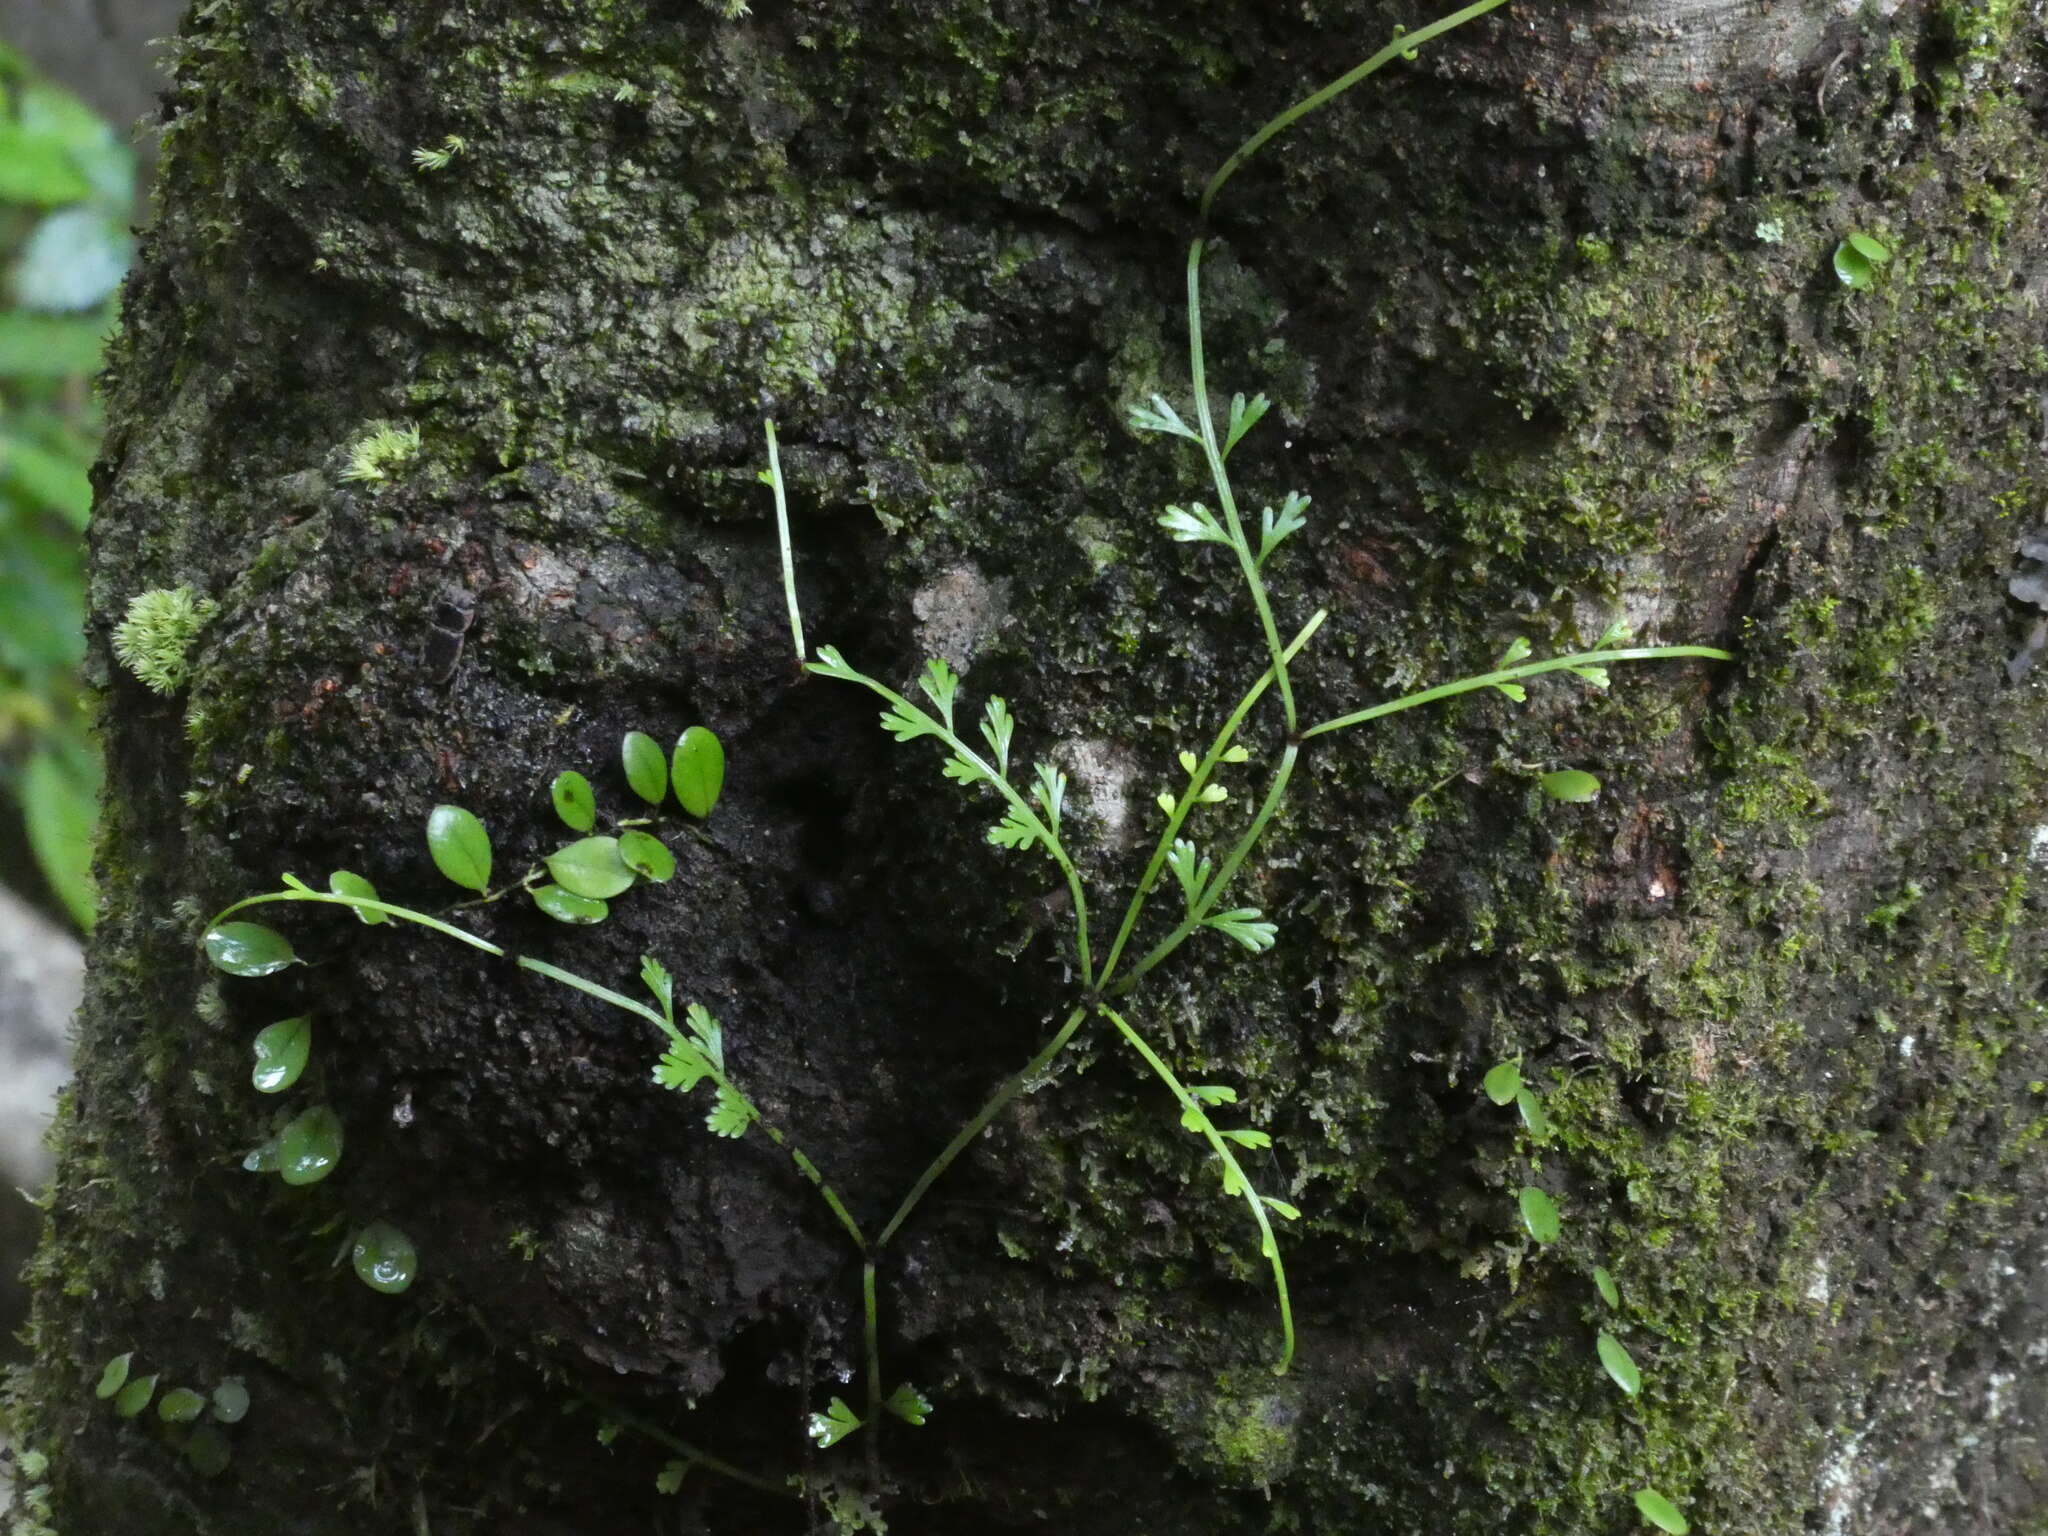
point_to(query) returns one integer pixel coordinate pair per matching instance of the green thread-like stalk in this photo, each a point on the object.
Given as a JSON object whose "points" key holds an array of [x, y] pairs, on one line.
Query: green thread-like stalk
{"points": [[796, 618], [362, 904], [1003, 1097], [1515, 674], [1267, 1245]]}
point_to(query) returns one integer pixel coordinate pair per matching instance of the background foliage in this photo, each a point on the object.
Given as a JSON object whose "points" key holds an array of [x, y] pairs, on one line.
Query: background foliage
{"points": [[66, 190]]}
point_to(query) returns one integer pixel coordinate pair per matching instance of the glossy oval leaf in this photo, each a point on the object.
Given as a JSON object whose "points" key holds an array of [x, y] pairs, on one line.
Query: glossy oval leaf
{"points": [[1503, 1082], [460, 846], [646, 766], [113, 1376], [249, 949], [134, 1397], [591, 867], [1661, 1512], [281, 1052], [1532, 1113], [574, 801], [1869, 247], [1619, 1363], [347, 883], [1603, 1282], [231, 1401], [699, 771], [646, 857], [180, 1405], [309, 1148], [1852, 267], [384, 1258], [567, 907], [262, 1159], [1573, 785], [1540, 1215], [208, 1451]]}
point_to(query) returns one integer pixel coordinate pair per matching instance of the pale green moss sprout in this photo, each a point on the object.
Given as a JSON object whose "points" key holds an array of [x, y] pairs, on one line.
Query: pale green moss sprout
{"points": [[154, 638], [384, 448]]}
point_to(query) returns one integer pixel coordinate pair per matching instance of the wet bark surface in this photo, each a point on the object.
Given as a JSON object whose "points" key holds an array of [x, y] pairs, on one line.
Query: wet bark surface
{"points": [[1551, 325]]}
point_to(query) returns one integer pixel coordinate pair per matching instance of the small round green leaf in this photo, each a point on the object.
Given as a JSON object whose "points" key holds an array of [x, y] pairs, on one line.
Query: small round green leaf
{"points": [[1533, 1116], [309, 1148], [646, 857], [460, 846], [574, 802], [384, 1258], [699, 770], [1619, 1362], [1661, 1512], [114, 1376], [567, 907], [180, 1405], [262, 1159], [646, 766], [591, 867], [1573, 785], [1603, 1282], [346, 883], [1539, 1215], [231, 1401], [249, 949], [1869, 248], [1503, 1082], [208, 1451], [134, 1397], [1852, 267], [281, 1051]]}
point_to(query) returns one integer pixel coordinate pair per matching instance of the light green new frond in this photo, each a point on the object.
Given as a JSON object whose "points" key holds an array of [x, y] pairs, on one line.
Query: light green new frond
{"points": [[153, 638]]}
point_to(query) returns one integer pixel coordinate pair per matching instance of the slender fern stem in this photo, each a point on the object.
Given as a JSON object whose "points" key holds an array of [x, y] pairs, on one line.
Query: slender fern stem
{"points": [[1185, 803], [796, 618], [1235, 1178], [361, 904], [1003, 1097], [694, 1454], [1515, 674]]}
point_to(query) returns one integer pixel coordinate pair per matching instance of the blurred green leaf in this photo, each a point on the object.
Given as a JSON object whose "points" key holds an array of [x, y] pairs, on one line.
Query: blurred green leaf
{"points": [[73, 260], [53, 481], [59, 805], [50, 347], [36, 167]]}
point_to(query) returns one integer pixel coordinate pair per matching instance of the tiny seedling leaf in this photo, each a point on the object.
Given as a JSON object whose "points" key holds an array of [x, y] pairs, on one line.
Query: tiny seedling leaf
{"points": [[1189, 762], [1575, 786], [384, 1258], [135, 1396], [180, 1405], [1190, 870], [682, 1067], [646, 766], [309, 1148], [1661, 1512], [1614, 634], [1869, 248], [831, 664], [574, 801], [1274, 527], [1244, 415], [708, 1034], [591, 867], [1192, 524], [834, 1424], [909, 1404], [655, 977], [962, 769], [906, 722], [249, 949], [1160, 416], [1597, 677], [1518, 650], [1533, 1115], [645, 855], [670, 1478], [567, 907], [347, 883], [1853, 266], [1213, 1093], [1603, 1282], [231, 1401], [1281, 1207], [731, 1115], [281, 1052], [1503, 1082], [1540, 1215], [940, 683], [113, 1376], [262, 1159], [460, 846], [1620, 1365], [699, 770], [997, 726], [1013, 831], [1243, 925], [1050, 791], [1256, 1140]]}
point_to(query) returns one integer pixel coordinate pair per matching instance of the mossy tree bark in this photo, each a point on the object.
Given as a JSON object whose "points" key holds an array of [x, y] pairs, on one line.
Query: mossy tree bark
{"points": [[1551, 323]]}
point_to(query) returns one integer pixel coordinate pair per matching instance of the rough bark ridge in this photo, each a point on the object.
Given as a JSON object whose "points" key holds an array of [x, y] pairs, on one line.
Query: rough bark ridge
{"points": [[1551, 325]]}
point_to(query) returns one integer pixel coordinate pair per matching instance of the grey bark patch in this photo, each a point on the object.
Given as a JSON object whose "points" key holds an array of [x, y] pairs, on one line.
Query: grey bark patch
{"points": [[958, 612]]}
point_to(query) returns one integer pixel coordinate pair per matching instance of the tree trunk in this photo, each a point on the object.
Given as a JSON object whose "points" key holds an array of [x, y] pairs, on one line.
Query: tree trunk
{"points": [[1552, 324]]}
